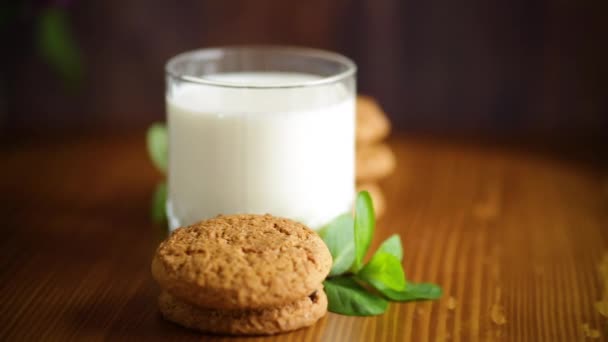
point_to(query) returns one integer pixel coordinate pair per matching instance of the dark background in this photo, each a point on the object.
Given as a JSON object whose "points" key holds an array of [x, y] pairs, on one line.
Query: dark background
{"points": [[522, 70]]}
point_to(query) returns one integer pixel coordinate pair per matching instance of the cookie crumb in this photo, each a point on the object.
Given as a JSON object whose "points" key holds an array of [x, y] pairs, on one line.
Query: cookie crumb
{"points": [[497, 313], [602, 305], [451, 304], [590, 332]]}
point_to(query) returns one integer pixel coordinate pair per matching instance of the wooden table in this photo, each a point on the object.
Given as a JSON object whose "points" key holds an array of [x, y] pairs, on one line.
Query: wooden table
{"points": [[515, 238]]}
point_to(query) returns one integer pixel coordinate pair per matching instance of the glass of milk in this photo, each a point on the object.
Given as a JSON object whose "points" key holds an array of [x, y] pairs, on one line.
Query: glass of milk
{"points": [[260, 130]]}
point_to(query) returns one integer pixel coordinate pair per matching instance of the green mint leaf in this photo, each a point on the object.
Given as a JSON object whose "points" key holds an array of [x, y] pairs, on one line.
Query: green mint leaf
{"points": [[415, 291], [347, 297], [392, 245], [338, 236], [57, 45], [384, 272], [157, 145], [364, 227], [159, 213]]}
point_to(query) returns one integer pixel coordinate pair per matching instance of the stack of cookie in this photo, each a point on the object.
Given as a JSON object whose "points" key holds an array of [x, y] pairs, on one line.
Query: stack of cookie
{"points": [[242, 275], [374, 158]]}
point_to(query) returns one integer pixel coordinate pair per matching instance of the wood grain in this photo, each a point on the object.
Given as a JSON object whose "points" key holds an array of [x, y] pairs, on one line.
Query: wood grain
{"points": [[515, 238]]}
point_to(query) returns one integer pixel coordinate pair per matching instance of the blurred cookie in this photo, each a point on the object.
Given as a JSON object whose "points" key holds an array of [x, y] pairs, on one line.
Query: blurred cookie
{"points": [[299, 314], [372, 123], [374, 162], [242, 261], [377, 197]]}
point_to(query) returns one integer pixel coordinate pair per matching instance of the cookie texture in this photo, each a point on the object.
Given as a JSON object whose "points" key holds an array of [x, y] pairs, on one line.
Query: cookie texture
{"points": [[374, 162], [372, 123], [299, 314], [377, 197], [242, 261]]}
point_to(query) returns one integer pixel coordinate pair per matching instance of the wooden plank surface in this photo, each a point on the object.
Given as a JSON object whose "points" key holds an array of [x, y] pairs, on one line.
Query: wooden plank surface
{"points": [[518, 240]]}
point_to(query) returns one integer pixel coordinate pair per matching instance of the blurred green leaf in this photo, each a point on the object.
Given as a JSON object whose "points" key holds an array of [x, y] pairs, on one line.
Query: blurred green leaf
{"points": [[58, 47], [159, 215], [157, 141]]}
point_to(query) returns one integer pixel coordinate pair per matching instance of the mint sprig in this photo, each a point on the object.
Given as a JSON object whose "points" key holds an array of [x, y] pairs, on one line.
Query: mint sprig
{"points": [[365, 222], [415, 291], [392, 245], [347, 296], [338, 237], [383, 272], [355, 288]]}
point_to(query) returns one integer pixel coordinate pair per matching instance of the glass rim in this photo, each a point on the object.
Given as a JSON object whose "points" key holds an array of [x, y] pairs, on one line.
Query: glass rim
{"points": [[351, 67]]}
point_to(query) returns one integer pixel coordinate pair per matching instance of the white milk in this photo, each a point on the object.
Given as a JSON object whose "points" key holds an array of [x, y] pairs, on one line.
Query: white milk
{"points": [[287, 151]]}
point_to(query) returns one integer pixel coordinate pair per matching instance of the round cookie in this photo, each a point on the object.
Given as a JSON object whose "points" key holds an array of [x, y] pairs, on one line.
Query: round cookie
{"points": [[299, 314], [242, 261], [372, 123], [377, 197], [374, 162]]}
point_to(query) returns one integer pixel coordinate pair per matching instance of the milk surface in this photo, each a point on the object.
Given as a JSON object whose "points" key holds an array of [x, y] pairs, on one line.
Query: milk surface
{"points": [[288, 151]]}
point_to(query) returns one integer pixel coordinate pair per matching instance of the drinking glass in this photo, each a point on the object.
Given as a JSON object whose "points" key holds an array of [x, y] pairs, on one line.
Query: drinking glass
{"points": [[260, 129]]}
